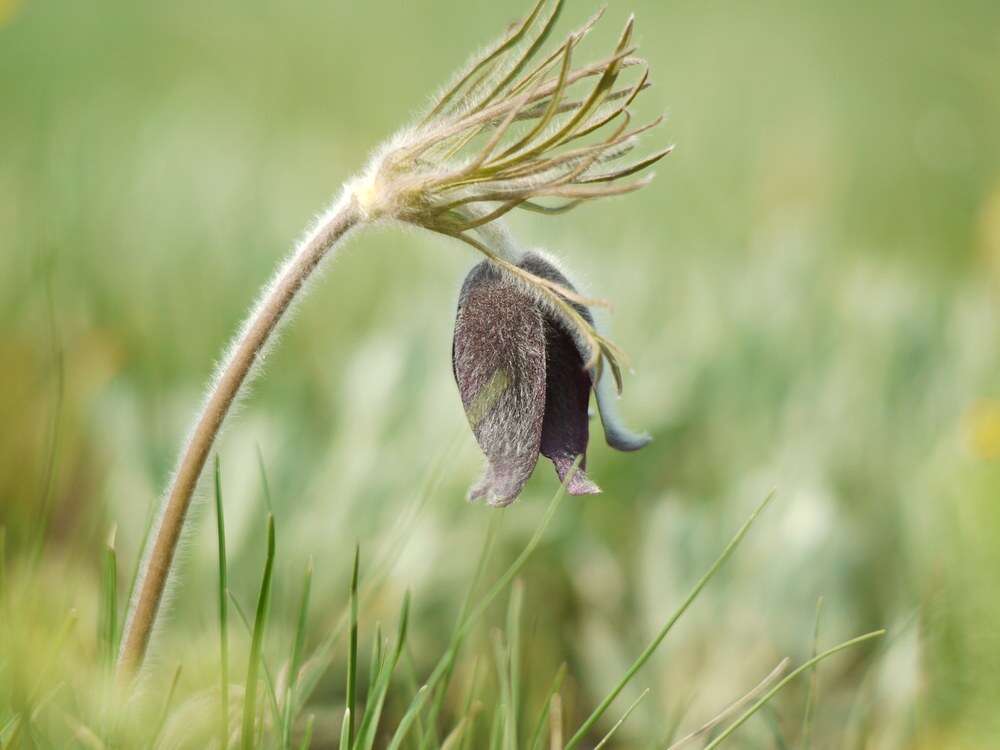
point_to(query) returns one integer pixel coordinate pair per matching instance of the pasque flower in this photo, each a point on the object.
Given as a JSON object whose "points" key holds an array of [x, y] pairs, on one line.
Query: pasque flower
{"points": [[524, 384], [518, 128], [510, 134]]}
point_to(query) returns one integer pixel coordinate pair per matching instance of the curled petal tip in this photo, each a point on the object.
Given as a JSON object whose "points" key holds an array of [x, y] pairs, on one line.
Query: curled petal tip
{"points": [[494, 491], [581, 484], [624, 440]]}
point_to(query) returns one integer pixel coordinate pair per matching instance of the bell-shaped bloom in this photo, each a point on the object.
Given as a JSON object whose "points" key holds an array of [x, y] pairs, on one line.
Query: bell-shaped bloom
{"points": [[524, 382]]}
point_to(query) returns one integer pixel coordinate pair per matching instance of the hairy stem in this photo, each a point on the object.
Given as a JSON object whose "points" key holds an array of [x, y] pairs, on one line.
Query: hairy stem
{"points": [[245, 352]]}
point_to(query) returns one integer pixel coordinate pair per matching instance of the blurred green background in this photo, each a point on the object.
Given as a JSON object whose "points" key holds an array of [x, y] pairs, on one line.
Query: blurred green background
{"points": [[808, 293]]}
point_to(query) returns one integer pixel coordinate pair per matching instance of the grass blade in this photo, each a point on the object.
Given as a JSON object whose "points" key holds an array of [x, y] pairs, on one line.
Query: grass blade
{"points": [[375, 664], [256, 643], [345, 730], [732, 708], [441, 688], [514, 655], [376, 700], [456, 735], [265, 485], [622, 720], [165, 713], [308, 736], [806, 742], [644, 656], [296, 658], [774, 691], [557, 681], [501, 654], [268, 679], [556, 723], [352, 653], [220, 527], [469, 712], [108, 620], [497, 727], [3, 565], [445, 664], [402, 730]]}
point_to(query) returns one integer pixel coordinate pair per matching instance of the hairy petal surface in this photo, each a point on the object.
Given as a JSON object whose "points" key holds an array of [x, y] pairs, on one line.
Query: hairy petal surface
{"points": [[499, 359]]}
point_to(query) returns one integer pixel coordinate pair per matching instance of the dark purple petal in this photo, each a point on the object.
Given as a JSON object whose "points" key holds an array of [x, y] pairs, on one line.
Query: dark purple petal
{"points": [[617, 435], [566, 428], [498, 357]]}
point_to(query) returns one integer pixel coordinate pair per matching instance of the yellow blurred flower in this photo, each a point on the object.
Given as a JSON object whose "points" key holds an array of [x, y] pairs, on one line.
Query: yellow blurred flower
{"points": [[982, 429], [989, 232], [8, 9]]}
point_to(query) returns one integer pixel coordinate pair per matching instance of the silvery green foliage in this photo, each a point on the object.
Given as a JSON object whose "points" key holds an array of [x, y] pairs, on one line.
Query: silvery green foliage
{"points": [[524, 384]]}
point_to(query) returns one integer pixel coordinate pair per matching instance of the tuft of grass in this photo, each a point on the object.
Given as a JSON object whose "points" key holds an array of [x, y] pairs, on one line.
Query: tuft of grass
{"points": [[651, 648], [424, 718], [784, 682]]}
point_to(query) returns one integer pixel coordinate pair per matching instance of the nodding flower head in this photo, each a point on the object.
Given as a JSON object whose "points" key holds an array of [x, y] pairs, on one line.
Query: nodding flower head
{"points": [[521, 128], [523, 382]]}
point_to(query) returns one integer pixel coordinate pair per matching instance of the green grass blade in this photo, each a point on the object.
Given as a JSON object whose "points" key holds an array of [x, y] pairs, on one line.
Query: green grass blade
{"points": [[557, 681], [345, 730], [308, 736], [272, 694], [3, 565], [54, 656], [376, 700], [403, 729], [723, 715], [496, 730], [514, 654], [352, 653], [457, 735], [223, 586], [628, 712], [265, 485], [446, 662], [108, 624], [502, 656], [648, 652], [294, 662], [791, 676], [806, 741], [54, 433], [257, 643], [441, 689], [398, 539], [165, 713], [375, 663], [469, 711], [151, 514], [421, 733], [516, 566]]}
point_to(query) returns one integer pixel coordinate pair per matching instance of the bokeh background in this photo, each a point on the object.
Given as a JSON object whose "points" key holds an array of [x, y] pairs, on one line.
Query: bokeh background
{"points": [[808, 293]]}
